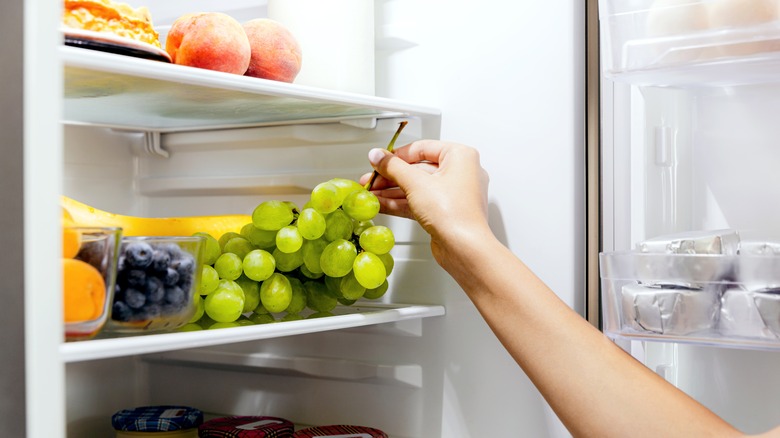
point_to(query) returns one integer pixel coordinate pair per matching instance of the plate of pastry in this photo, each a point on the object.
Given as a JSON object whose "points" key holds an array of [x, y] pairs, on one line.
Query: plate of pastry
{"points": [[112, 27], [107, 42]]}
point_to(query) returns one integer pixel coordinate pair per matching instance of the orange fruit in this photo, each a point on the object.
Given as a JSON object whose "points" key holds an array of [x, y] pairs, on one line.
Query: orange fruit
{"points": [[84, 291]]}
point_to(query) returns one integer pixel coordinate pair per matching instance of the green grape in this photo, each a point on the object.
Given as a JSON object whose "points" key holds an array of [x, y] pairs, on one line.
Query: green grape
{"points": [[287, 262], [316, 315], [262, 318], [369, 270], [337, 226], [359, 226], [292, 317], [373, 294], [289, 239], [228, 266], [318, 298], [298, 301], [307, 273], [361, 205], [244, 321], [224, 305], [251, 290], [276, 293], [272, 215], [222, 325], [205, 321], [211, 249], [258, 265], [238, 246], [199, 309], [337, 258], [345, 302], [311, 224], [325, 198], [262, 239], [209, 280], [190, 327], [350, 288], [223, 239], [345, 187], [388, 261], [377, 239], [231, 286], [260, 310], [333, 284], [312, 251]]}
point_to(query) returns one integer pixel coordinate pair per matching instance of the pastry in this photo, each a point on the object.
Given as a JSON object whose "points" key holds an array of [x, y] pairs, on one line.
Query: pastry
{"points": [[107, 16]]}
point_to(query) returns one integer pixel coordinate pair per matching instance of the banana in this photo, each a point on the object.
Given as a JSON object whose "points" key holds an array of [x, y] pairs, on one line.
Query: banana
{"points": [[86, 216]]}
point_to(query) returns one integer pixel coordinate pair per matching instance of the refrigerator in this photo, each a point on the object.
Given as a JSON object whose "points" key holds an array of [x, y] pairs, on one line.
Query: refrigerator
{"points": [[562, 133]]}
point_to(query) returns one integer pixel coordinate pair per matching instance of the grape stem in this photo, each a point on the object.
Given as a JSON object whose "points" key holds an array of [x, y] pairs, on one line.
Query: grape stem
{"points": [[389, 148]]}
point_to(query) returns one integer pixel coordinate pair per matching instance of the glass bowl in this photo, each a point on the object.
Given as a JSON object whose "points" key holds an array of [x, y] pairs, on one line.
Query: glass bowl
{"points": [[88, 278], [157, 277]]}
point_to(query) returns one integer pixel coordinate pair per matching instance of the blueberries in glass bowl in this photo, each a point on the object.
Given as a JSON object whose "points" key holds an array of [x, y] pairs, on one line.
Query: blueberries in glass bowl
{"points": [[156, 277]]}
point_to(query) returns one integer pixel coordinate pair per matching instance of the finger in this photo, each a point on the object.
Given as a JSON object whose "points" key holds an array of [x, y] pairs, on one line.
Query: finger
{"points": [[423, 150], [396, 169]]}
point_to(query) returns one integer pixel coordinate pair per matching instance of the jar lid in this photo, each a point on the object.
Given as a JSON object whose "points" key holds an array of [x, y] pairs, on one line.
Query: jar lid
{"points": [[161, 418], [246, 427], [340, 430]]}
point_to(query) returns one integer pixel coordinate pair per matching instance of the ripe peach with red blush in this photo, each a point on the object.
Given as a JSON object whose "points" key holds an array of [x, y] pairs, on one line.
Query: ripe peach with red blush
{"points": [[210, 40], [276, 54]]}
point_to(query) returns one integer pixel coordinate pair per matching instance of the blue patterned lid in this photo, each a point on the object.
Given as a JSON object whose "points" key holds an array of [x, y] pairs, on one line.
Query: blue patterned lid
{"points": [[162, 418]]}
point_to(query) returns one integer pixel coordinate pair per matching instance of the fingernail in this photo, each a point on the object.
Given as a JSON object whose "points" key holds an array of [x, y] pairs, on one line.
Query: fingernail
{"points": [[375, 156]]}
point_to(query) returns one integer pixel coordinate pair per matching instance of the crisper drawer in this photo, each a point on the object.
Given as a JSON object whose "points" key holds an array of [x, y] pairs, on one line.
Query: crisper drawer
{"points": [[723, 299], [673, 42]]}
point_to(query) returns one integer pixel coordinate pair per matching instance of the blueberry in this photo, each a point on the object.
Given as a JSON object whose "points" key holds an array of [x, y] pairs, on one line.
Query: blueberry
{"points": [[175, 296], [160, 260], [135, 278], [134, 298], [155, 290], [151, 311], [121, 311], [138, 254], [173, 249], [171, 277], [185, 266]]}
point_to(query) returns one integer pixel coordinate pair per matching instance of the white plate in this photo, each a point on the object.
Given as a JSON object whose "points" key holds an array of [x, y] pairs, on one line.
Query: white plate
{"points": [[112, 43]]}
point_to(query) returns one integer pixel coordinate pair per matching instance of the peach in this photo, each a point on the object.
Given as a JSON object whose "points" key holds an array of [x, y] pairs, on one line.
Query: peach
{"points": [[210, 40], [276, 54]]}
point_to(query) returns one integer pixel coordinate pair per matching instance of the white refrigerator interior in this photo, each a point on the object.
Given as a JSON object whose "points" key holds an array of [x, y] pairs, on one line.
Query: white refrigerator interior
{"points": [[689, 149], [148, 139]]}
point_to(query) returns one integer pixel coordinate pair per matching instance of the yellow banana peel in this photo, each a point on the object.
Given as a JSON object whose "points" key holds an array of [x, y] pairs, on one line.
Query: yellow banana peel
{"points": [[86, 216]]}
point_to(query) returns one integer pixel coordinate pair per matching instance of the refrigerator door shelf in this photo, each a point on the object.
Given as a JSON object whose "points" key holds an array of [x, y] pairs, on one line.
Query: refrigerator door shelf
{"points": [[344, 317], [707, 299], [689, 43], [117, 91]]}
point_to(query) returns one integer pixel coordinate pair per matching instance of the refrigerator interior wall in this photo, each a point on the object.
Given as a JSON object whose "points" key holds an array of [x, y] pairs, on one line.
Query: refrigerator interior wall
{"points": [[690, 159], [430, 377]]}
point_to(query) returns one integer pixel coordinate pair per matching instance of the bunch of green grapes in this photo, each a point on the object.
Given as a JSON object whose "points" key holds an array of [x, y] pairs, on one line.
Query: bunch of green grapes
{"points": [[289, 262]]}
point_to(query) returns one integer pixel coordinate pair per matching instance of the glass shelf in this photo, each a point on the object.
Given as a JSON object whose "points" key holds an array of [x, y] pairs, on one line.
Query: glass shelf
{"points": [[131, 93], [344, 317]]}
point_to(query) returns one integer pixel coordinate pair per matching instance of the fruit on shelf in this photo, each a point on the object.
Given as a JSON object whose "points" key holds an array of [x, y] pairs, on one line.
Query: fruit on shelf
{"points": [[84, 291], [156, 284], [84, 215], [275, 53], [209, 40]]}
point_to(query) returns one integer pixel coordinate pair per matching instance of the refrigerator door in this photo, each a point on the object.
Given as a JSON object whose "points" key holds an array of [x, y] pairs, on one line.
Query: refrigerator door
{"points": [[689, 271]]}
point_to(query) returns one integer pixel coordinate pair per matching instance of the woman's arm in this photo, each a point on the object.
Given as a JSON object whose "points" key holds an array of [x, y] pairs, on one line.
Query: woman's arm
{"points": [[594, 387]]}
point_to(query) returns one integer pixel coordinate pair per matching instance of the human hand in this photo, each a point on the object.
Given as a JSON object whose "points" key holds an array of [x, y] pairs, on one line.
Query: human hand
{"points": [[441, 185]]}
